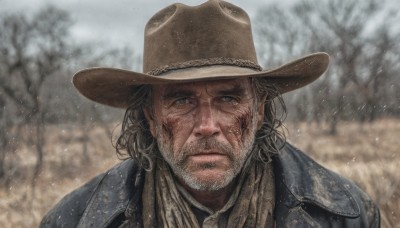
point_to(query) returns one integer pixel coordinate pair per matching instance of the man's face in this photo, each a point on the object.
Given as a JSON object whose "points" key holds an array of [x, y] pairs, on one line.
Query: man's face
{"points": [[205, 130]]}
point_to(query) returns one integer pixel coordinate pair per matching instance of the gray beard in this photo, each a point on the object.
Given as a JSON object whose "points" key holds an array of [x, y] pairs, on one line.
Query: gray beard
{"points": [[180, 170]]}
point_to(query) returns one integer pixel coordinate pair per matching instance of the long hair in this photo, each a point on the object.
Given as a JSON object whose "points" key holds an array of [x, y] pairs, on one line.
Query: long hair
{"points": [[136, 141], [271, 136]]}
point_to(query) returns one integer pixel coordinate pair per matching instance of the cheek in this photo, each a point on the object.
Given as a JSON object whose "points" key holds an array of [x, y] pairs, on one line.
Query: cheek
{"points": [[167, 130], [175, 130], [240, 126], [245, 123]]}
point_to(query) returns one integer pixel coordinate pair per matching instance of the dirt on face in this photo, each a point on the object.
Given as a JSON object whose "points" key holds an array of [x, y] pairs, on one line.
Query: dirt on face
{"points": [[205, 130]]}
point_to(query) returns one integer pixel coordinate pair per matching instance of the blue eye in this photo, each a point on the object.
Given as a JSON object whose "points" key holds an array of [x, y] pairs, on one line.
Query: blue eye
{"points": [[228, 99], [183, 101]]}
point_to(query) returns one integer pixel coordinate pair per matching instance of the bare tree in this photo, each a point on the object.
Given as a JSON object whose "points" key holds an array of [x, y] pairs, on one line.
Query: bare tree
{"points": [[363, 41], [31, 50]]}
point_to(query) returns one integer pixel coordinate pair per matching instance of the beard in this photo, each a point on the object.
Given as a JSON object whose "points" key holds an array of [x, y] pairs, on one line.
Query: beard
{"points": [[179, 160]]}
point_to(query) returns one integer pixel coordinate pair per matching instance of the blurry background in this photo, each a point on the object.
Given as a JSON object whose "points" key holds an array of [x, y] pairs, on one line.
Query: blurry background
{"points": [[52, 139]]}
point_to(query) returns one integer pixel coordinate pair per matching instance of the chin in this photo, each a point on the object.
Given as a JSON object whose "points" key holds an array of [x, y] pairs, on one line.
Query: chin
{"points": [[208, 180]]}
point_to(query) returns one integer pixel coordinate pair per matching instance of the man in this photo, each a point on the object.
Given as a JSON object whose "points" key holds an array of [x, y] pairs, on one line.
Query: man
{"points": [[201, 132]]}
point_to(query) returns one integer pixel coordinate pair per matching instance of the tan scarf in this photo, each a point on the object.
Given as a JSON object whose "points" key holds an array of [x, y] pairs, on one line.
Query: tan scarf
{"points": [[163, 205]]}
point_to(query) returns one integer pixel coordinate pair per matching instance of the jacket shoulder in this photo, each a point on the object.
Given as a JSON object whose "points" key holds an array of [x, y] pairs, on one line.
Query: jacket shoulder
{"points": [[324, 194], [68, 211], [72, 208]]}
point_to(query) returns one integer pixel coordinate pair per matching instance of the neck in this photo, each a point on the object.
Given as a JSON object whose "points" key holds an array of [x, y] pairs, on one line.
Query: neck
{"points": [[214, 200]]}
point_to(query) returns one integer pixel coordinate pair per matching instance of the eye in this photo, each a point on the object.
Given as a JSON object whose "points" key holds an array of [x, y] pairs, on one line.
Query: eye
{"points": [[229, 99], [183, 101]]}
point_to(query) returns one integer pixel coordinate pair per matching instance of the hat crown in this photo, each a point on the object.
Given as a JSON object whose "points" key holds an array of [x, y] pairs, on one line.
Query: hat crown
{"points": [[185, 44], [181, 33]]}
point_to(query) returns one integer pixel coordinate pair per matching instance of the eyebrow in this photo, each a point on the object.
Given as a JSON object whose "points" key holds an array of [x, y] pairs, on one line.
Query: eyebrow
{"points": [[171, 94], [237, 90]]}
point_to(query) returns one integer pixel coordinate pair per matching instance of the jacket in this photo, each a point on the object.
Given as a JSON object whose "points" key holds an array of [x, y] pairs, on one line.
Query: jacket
{"points": [[307, 195]]}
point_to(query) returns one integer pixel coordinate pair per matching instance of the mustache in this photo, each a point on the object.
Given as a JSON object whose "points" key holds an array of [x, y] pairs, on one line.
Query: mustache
{"points": [[206, 144]]}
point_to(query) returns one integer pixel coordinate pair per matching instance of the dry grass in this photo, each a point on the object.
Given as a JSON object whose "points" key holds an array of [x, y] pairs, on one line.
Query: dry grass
{"points": [[65, 168], [367, 154]]}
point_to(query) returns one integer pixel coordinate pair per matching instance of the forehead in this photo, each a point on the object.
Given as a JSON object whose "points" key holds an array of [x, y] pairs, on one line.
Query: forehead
{"points": [[210, 85]]}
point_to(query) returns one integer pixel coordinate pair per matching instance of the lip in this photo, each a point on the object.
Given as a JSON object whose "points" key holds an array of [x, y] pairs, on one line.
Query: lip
{"points": [[208, 153], [208, 157]]}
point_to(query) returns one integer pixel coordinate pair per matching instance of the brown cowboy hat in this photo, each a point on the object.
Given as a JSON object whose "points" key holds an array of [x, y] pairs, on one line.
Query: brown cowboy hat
{"points": [[185, 43]]}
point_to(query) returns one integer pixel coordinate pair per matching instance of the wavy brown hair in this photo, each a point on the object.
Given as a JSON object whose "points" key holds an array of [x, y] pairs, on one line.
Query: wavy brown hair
{"points": [[135, 140]]}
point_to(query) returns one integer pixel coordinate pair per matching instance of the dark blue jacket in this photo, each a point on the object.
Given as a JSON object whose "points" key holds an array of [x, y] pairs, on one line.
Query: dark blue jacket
{"points": [[307, 195]]}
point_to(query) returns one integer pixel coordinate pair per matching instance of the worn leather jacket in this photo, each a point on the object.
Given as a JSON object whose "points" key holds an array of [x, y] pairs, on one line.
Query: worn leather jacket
{"points": [[307, 195]]}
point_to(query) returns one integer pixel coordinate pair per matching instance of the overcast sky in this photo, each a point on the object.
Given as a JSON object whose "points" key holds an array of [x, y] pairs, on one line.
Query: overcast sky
{"points": [[121, 22], [118, 21]]}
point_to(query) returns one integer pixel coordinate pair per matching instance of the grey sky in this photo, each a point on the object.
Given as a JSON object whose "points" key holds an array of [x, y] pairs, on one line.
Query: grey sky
{"points": [[121, 22], [118, 22]]}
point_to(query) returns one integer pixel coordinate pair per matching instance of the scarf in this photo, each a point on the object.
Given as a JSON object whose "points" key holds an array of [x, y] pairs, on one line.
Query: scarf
{"points": [[164, 206]]}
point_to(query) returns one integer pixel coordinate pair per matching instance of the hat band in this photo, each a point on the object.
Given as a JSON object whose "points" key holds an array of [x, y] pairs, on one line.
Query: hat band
{"points": [[205, 62]]}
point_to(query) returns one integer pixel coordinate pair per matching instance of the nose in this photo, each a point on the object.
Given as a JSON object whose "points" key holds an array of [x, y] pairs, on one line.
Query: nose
{"points": [[206, 124]]}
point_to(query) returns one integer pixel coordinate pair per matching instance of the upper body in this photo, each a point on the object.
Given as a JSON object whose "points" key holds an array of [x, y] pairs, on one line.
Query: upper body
{"points": [[307, 195], [202, 122]]}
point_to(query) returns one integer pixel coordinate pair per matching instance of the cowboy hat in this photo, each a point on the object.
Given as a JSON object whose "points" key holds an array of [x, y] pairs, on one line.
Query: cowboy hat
{"points": [[190, 43]]}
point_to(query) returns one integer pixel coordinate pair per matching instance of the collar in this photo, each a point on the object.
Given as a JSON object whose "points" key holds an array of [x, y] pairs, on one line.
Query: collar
{"points": [[311, 183], [112, 195]]}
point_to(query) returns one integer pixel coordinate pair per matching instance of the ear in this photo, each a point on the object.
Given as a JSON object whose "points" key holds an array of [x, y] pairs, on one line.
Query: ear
{"points": [[260, 112], [149, 117]]}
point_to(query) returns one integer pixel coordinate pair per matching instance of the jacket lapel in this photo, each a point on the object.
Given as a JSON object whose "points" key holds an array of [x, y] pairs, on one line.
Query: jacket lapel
{"points": [[300, 181], [111, 197]]}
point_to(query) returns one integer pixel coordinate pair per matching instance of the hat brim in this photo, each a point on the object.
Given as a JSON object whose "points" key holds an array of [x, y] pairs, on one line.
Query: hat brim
{"points": [[113, 87]]}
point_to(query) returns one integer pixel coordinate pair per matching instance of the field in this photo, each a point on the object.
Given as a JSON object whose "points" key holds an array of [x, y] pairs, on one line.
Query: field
{"points": [[367, 154]]}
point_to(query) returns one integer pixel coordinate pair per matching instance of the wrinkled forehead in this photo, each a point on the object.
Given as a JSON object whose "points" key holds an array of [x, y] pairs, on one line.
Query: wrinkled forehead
{"points": [[244, 84]]}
